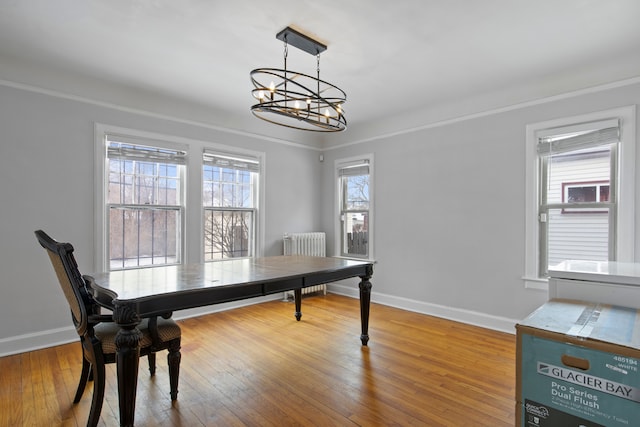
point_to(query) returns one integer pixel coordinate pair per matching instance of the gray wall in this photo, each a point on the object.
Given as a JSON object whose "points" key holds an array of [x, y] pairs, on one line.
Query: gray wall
{"points": [[47, 182], [450, 210]]}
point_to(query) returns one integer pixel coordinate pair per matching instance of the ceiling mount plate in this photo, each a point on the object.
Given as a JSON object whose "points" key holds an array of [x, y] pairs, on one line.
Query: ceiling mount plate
{"points": [[301, 41]]}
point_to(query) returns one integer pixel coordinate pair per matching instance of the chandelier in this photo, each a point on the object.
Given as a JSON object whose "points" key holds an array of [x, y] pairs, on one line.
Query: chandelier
{"points": [[298, 100]]}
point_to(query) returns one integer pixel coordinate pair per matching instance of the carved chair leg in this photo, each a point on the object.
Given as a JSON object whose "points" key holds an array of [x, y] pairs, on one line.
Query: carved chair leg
{"points": [[84, 376], [152, 363], [173, 360]]}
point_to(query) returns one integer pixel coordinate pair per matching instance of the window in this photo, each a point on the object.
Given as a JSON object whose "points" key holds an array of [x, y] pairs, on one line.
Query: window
{"points": [[590, 155], [580, 190], [144, 204], [355, 206], [229, 197], [585, 192], [163, 200]]}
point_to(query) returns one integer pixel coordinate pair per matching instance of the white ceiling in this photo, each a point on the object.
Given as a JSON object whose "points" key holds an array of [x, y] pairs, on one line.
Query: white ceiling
{"points": [[404, 57]]}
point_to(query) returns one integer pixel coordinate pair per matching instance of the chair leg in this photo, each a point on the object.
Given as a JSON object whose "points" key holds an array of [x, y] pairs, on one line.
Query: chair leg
{"points": [[173, 360], [152, 363], [98, 394], [84, 376]]}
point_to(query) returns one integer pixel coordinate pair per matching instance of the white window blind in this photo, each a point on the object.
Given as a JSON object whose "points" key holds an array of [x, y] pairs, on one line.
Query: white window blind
{"points": [[578, 137], [359, 168], [229, 161], [130, 148]]}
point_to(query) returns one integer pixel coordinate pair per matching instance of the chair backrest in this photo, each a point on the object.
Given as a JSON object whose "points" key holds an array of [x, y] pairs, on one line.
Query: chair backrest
{"points": [[71, 281]]}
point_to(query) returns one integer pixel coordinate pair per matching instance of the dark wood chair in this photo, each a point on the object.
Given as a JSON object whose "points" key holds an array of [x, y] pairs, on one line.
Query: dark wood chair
{"points": [[98, 331]]}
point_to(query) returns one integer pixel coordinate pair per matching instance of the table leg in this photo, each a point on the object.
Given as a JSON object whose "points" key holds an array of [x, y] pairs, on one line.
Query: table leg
{"points": [[297, 297], [365, 303], [127, 360]]}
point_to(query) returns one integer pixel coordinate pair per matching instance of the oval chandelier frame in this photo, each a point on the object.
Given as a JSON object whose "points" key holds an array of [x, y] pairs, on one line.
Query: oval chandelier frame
{"points": [[297, 100], [293, 103]]}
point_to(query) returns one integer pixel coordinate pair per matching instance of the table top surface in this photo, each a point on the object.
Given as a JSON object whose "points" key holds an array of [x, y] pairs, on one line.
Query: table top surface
{"points": [[146, 282]]}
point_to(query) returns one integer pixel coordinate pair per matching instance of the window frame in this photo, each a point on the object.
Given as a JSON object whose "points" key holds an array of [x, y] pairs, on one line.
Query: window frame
{"points": [[193, 218], [339, 198], [255, 180], [135, 206], [625, 186], [545, 207], [598, 185]]}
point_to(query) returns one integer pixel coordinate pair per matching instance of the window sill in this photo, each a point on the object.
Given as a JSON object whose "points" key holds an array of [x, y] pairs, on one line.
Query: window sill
{"points": [[536, 283]]}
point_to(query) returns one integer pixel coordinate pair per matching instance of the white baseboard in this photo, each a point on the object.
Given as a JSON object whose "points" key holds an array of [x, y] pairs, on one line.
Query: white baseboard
{"points": [[37, 340], [59, 336], [475, 318]]}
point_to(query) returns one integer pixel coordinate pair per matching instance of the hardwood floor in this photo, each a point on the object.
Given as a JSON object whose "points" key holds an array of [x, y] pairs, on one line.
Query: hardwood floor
{"points": [[257, 366]]}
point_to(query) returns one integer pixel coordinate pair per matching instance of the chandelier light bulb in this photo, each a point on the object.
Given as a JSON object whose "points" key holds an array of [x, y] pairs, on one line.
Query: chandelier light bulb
{"points": [[272, 89]]}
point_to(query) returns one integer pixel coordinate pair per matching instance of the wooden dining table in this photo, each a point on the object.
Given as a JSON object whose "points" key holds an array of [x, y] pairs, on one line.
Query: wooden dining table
{"points": [[135, 294]]}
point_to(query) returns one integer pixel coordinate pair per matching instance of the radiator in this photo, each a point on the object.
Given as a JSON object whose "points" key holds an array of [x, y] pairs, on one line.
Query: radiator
{"points": [[312, 244]]}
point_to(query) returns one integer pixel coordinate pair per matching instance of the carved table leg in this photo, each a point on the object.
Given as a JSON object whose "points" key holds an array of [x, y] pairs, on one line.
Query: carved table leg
{"points": [[365, 302], [127, 359], [173, 360], [297, 296]]}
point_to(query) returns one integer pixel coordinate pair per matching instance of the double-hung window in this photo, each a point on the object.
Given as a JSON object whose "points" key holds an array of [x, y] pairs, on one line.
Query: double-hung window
{"points": [[578, 219], [230, 200], [580, 195], [145, 203], [355, 207], [163, 200]]}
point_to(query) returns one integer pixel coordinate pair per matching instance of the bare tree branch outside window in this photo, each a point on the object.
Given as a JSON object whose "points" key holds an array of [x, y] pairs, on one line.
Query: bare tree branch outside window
{"points": [[229, 216], [355, 214]]}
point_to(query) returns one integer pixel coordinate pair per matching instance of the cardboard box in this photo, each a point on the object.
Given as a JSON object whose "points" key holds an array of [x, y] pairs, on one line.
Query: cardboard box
{"points": [[578, 364]]}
